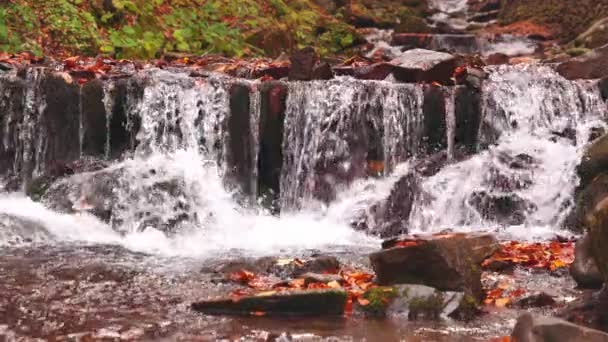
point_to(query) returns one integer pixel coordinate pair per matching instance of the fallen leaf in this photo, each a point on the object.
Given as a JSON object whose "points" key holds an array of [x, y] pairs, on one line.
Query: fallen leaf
{"points": [[363, 301]]}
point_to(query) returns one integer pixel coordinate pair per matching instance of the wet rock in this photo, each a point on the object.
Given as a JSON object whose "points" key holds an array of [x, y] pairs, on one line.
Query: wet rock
{"points": [[376, 71], [306, 66], [474, 77], [449, 263], [586, 201], [583, 269], [594, 161], [322, 71], [597, 224], [310, 277], [283, 268], [240, 155], [537, 300], [497, 59], [454, 43], [270, 157], [509, 209], [591, 65], [16, 230], [416, 302], [520, 161], [545, 329], [389, 217], [419, 65], [111, 195], [483, 5], [590, 310], [293, 303]]}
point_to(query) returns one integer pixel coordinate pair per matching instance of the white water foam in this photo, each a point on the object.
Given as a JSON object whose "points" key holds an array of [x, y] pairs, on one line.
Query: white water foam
{"points": [[229, 228]]}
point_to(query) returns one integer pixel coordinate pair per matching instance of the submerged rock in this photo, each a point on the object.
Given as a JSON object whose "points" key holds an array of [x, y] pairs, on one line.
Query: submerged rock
{"points": [[545, 329], [509, 209], [450, 262], [583, 269], [329, 302], [416, 302]]}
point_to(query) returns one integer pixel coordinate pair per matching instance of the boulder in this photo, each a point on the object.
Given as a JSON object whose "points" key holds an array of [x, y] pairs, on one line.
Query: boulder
{"points": [[419, 65], [594, 161], [449, 262], [389, 217], [416, 302], [597, 224], [163, 201], [330, 302], [586, 200], [545, 329], [583, 269], [591, 65]]}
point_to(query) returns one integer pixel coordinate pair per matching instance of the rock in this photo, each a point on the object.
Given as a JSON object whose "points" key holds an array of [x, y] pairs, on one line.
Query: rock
{"points": [[588, 66], [420, 65], [271, 265], [389, 217], [597, 224], [453, 43], [310, 277], [483, 5], [537, 300], [590, 310], [586, 200], [447, 262], [329, 302], [594, 161], [545, 329], [376, 71], [306, 66], [167, 198], [416, 302], [322, 71], [497, 59], [16, 230], [270, 156], [583, 269], [509, 209]]}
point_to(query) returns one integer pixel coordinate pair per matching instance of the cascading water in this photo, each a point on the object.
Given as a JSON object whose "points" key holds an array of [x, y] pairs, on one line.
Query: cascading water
{"points": [[332, 131], [536, 124]]}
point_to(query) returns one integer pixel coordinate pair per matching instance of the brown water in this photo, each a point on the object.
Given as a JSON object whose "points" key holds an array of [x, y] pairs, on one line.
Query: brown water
{"points": [[107, 292]]}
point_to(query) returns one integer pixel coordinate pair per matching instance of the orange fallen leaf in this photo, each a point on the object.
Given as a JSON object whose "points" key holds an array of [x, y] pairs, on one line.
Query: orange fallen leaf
{"points": [[502, 302], [334, 285], [258, 313], [363, 301]]}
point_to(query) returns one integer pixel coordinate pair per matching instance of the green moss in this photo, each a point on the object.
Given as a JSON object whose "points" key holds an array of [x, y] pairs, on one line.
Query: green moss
{"points": [[575, 52], [379, 299], [427, 307], [467, 310]]}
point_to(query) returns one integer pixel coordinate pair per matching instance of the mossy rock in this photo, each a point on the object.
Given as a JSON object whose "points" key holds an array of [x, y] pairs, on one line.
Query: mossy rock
{"points": [[379, 299], [577, 51], [427, 308]]}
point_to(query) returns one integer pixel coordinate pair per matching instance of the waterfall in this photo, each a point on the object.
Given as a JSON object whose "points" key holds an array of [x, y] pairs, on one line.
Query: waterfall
{"points": [[334, 129], [535, 126]]}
